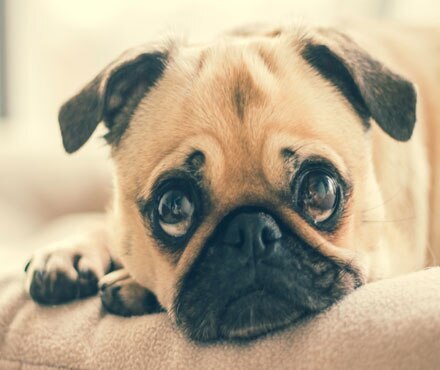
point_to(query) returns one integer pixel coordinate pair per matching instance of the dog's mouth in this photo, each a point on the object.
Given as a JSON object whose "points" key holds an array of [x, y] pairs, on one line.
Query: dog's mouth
{"points": [[224, 302], [254, 314], [229, 294]]}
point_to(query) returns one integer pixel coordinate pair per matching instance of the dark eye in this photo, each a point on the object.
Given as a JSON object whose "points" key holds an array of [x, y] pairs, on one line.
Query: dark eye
{"points": [[176, 210], [318, 195]]}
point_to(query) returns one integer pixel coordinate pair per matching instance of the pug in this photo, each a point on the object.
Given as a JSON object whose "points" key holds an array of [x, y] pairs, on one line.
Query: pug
{"points": [[258, 178]]}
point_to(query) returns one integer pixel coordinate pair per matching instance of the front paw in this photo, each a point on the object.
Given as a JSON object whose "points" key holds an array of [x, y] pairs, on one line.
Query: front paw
{"points": [[60, 275], [122, 296]]}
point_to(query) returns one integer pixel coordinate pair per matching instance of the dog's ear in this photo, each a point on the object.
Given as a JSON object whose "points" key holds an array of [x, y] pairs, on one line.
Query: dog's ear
{"points": [[111, 97], [372, 89]]}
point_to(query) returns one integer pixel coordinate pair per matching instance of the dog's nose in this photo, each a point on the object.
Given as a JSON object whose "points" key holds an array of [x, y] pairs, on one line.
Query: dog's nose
{"points": [[252, 233]]}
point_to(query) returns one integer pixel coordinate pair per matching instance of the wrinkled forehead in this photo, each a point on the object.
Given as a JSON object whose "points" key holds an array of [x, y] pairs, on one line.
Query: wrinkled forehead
{"points": [[241, 103]]}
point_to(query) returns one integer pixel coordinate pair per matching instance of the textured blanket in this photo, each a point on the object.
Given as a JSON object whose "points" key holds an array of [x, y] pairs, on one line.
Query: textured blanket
{"points": [[392, 324]]}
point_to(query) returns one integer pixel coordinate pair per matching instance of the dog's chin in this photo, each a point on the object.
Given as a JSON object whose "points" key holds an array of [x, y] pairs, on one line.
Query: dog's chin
{"points": [[248, 316], [255, 314]]}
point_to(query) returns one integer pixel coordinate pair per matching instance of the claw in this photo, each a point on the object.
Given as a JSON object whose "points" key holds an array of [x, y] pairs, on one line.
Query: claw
{"points": [[27, 265]]}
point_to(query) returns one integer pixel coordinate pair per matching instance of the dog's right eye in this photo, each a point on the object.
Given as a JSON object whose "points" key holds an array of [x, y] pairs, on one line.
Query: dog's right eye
{"points": [[176, 211]]}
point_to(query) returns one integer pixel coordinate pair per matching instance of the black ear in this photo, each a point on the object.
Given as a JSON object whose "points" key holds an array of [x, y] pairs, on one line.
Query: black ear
{"points": [[111, 97], [372, 89]]}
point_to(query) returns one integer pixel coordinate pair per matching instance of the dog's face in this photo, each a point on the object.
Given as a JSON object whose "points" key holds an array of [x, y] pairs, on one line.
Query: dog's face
{"points": [[241, 172]]}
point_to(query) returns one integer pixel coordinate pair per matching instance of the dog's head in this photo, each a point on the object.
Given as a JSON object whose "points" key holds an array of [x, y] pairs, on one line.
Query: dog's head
{"points": [[241, 172]]}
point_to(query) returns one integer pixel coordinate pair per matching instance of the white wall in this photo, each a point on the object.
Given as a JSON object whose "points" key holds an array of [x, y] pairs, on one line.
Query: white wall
{"points": [[55, 46]]}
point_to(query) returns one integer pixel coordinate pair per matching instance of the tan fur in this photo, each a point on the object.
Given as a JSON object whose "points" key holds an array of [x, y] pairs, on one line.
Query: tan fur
{"points": [[244, 100]]}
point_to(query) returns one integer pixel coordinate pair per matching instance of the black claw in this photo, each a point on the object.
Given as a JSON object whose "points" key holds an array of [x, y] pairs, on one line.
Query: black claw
{"points": [[76, 259], [26, 267]]}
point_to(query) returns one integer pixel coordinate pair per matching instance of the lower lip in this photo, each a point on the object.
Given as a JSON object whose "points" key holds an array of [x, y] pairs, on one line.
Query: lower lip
{"points": [[245, 318]]}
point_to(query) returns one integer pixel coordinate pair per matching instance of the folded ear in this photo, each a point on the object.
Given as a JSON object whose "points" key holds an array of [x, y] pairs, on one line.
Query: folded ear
{"points": [[111, 97], [372, 89]]}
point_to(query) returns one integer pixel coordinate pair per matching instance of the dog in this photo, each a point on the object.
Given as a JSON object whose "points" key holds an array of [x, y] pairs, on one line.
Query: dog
{"points": [[258, 178]]}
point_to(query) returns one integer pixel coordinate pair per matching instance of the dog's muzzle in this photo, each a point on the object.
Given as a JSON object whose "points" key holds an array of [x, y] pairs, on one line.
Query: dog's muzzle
{"points": [[254, 275]]}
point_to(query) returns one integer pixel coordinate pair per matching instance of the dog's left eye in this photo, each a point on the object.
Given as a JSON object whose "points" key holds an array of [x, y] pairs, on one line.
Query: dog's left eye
{"points": [[318, 195], [176, 210]]}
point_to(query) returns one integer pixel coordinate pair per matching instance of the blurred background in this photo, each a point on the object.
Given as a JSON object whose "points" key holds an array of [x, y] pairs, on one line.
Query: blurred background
{"points": [[51, 48]]}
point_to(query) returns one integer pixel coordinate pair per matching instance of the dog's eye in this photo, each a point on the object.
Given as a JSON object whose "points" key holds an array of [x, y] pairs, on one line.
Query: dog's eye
{"points": [[318, 195], [176, 211]]}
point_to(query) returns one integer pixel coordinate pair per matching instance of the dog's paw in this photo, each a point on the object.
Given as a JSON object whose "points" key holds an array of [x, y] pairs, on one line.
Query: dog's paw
{"points": [[122, 296], [62, 273]]}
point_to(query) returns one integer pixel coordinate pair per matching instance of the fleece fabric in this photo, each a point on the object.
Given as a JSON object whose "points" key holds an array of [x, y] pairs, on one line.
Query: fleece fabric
{"points": [[389, 324]]}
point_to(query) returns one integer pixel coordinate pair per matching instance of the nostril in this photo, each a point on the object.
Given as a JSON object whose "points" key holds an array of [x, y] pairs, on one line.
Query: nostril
{"points": [[271, 233], [251, 234]]}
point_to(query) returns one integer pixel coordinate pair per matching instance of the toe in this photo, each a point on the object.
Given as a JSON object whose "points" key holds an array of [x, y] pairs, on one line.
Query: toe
{"points": [[87, 283], [112, 301], [51, 287]]}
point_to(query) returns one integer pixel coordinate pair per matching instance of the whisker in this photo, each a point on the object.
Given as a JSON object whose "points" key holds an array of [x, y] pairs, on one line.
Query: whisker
{"points": [[383, 203], [397, 220]]}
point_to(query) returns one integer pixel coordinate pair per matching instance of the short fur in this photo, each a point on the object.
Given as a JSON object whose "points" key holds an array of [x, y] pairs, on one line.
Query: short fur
{"points": [[239, 105]]}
